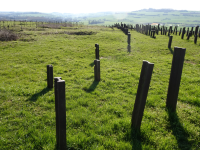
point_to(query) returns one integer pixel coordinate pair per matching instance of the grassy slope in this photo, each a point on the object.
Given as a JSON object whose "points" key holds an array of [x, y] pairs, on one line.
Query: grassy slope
{"points": [[98, 114]]}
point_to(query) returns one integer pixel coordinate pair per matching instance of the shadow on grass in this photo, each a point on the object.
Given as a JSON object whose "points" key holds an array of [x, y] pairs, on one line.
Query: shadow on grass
{"points": [[35, 96], [138, 138], [92, 87], [172, 52], [178, 131], [92, 64]]}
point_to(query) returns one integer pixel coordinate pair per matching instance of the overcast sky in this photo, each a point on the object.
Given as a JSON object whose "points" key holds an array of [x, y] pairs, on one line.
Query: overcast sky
{"points": [[91, 6]]}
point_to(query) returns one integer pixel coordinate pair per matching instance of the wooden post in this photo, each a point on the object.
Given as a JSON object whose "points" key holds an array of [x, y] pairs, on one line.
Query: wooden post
{"points": [[49, 76], [97, 51], [142, 91], [97, 70], [170, 41], [60, 106], [175, 77]]}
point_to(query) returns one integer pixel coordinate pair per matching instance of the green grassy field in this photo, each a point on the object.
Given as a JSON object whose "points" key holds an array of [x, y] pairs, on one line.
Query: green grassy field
{"points": [[98, 113]]}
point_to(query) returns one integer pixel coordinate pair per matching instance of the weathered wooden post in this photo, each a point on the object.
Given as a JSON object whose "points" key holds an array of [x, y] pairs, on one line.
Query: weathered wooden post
{"points": [[170, 41], [195, 39], [60, 107], [175, 77], [49, 76], [97, 70], [97, 51], [142, 91]]}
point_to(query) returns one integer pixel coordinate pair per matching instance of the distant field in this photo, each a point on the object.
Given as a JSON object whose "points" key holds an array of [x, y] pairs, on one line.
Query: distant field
{"points": [[98, 113]]}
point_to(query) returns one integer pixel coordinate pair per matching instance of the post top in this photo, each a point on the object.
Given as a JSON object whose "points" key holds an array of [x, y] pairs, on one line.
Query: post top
{"points": [[145, 61]]}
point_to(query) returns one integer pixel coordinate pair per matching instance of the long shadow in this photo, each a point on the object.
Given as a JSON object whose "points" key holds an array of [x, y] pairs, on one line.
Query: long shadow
{"points": [[35, 96], [92, 87], [178, 131], [136, 138], [172, 52]]}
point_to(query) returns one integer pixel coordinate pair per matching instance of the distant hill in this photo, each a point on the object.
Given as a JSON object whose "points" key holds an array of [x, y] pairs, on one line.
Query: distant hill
{"points": [[144, 16]]}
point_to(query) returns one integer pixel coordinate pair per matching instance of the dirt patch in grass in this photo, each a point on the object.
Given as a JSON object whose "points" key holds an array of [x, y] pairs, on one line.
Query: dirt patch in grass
{"points": [[83, 33], [72, 33]]}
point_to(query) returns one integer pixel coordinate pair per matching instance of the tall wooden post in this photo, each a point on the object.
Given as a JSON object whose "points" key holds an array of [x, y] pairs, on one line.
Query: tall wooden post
{"points": [[49, 76], [60, 107], [175, 77], [142, 91]]}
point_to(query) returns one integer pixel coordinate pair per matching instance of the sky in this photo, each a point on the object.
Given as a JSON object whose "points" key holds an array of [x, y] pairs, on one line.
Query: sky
{"points": [[92, 6]]}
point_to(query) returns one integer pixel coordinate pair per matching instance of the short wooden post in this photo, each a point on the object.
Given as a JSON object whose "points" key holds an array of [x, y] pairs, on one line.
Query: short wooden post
{"points": [[60, 107], [175, 77], [170, 41], [97, 70], [49, 76], [97, 51], [142, 91]]}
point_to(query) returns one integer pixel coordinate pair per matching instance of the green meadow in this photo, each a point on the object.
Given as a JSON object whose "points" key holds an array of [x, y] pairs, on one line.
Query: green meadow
{"points": [[98, 114]]}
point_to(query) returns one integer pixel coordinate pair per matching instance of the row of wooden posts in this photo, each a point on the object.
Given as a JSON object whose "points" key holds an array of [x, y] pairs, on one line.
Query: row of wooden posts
{"points": [[151, 30], [125, 28], [141, 96]]}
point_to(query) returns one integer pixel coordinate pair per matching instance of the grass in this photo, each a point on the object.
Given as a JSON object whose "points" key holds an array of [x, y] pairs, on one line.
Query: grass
{"points": [[98, 113]]}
